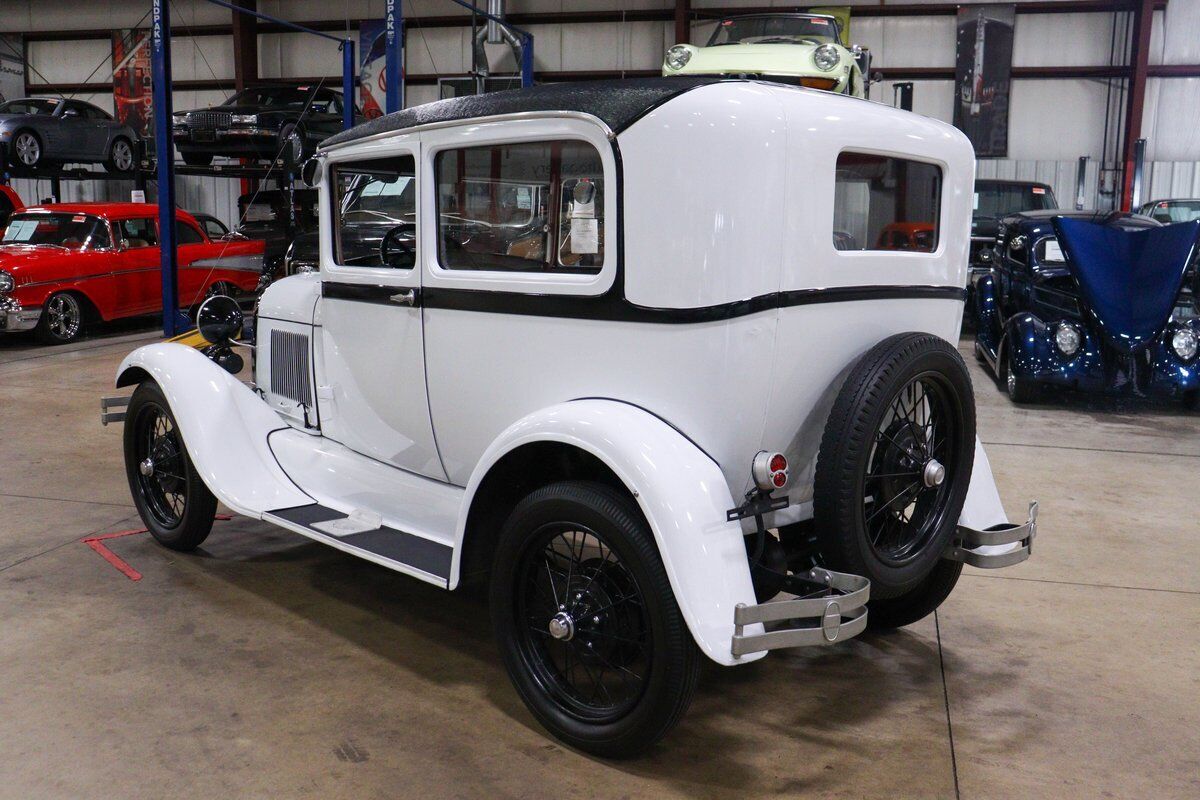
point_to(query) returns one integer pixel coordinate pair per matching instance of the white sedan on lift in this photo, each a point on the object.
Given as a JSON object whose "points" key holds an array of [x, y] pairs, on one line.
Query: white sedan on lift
{"points": [[630, 353]]}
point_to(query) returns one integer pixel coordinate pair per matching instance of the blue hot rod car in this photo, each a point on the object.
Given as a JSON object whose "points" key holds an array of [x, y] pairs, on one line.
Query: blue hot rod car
{"points": [[1096, 301]]}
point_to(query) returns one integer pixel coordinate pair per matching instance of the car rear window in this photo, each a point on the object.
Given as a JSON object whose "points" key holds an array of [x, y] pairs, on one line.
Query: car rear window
{"points": [[886, 203]]}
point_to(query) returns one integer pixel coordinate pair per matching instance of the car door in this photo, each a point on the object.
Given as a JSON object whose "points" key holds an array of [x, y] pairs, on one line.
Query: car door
{"points": [[190, 247], [74, 130], [140, 259], [370, 362], [96, 127]]}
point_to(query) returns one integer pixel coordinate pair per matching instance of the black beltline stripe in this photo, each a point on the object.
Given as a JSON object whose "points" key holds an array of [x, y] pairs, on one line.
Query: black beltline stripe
{"points": [[608, 307]]}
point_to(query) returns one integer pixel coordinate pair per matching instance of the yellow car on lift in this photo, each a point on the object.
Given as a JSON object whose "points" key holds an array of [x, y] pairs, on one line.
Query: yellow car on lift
{"points": [[801, 49]]}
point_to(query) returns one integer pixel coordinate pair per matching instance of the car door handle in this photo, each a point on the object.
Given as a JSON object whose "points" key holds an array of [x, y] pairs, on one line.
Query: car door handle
{"points": [[408, 298]]}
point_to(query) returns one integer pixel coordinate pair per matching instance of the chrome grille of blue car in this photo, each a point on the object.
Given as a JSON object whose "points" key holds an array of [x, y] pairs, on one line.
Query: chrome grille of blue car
{"points": [[290, 372], [209, 119]]}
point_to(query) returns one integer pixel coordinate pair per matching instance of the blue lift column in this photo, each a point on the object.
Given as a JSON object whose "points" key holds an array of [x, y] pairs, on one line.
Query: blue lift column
{"points": [[349, 71], [174, 322], [394, 56]]}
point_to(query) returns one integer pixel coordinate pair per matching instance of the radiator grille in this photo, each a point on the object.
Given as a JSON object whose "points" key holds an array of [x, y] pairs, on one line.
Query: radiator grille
{"points": [[209, 119], [290, 373]]}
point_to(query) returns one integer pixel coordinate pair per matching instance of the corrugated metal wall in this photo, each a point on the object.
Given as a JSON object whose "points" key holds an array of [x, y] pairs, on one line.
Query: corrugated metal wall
{"points": [[216, 196]]}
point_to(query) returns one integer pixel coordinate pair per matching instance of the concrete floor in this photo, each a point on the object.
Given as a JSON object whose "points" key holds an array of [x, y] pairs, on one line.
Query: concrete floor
{"points": [[268, 666]]}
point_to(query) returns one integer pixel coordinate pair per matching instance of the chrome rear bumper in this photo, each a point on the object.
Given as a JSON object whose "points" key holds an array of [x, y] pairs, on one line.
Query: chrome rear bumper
{"points": [[835, 609], [996, 547]]}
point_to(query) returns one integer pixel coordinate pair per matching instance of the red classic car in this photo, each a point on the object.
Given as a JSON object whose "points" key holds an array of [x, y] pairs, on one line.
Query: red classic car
{"points": [[67, 264]]}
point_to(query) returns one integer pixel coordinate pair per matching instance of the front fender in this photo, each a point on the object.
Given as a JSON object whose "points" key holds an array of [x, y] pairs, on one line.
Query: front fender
{"points": [[680, 490], [224, 426]]}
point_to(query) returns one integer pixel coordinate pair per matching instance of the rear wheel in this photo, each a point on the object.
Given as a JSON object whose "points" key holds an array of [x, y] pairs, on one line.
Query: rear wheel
{"points": [[291, 138], [586, 620], [120, 157], [895, 463], [175, 505], [920, 602], [62, 319]]}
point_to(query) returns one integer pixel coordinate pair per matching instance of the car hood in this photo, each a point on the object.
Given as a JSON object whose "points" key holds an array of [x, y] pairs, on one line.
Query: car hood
{"points": [[245, 109], [776, 59], [1129, 280], [29, 264]]}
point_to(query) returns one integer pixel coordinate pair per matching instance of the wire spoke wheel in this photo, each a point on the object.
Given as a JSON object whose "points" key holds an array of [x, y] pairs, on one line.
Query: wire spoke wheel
{"points": [[906, 486], [585, 634], [161, 467]]}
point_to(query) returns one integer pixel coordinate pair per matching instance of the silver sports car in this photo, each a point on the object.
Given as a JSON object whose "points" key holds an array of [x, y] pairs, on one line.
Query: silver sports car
{"points": [[38, 131]]}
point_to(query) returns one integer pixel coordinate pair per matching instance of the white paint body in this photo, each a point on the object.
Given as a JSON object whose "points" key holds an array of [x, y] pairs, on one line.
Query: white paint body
{"points": [[725, 193]]}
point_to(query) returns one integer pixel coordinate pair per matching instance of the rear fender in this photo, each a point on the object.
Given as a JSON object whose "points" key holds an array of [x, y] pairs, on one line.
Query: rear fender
{"points": [[982, 509], [224, 426], [678, 487]]}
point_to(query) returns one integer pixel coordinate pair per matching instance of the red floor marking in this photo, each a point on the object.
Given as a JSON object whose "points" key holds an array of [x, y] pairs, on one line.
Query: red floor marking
{"points": [[97, 544]]}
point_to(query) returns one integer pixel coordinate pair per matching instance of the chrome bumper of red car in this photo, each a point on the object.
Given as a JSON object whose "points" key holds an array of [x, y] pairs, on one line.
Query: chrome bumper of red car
{"points": [[15, 318]]}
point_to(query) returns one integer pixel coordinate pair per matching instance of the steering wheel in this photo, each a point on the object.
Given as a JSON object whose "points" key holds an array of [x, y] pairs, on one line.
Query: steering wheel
{"points": [[395, 251]]}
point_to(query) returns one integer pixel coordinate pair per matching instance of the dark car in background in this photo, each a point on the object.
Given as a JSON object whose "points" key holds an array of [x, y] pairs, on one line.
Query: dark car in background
{"points": [[261, 123], [263, 216], [1101, 302], [36, 132]]}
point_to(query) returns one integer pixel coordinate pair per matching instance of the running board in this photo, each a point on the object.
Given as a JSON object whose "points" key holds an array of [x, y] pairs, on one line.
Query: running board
{"points": [[399, 550], [995, 547]]}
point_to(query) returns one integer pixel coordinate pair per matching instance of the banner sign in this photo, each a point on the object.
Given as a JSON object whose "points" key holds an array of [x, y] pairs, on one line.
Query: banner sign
{"points": [[372, 72], [983, 76], [132, 90], [12, 66]]}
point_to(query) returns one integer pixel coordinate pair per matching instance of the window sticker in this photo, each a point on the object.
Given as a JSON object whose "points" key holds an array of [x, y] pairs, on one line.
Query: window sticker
{"points": [[1052, 251], [524, 198], [585, 236], [21, 230], [976, 206], [1038, 190]]}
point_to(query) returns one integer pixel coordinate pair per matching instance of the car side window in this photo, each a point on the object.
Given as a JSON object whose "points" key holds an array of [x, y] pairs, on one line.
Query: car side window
{"points": [[886, 203], [93, 113], [138, 232], [526, 207], [376, 208], [214, 229], [186, 234]]}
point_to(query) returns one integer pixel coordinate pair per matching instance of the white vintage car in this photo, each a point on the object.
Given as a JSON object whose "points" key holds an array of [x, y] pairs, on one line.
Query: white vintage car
{"points": [[797, 48], [609, 359]]}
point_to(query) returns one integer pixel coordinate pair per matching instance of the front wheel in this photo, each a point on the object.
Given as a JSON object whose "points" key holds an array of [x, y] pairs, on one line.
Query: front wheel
{"points": [[28, 149], [62, 319], [291, 137], [175, 505], [586, 620], [1021, 390]]}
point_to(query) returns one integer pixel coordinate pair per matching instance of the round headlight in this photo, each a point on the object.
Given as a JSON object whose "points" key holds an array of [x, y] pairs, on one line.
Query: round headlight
{"points": [[1185, 342], [219, 319], [6, 282], [826, 57], [678, 56], [1067, 339]]}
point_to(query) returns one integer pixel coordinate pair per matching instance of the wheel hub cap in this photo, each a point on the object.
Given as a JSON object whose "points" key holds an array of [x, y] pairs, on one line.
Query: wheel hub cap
{"points": [[562, 626], [146, 467], [934, 473]]}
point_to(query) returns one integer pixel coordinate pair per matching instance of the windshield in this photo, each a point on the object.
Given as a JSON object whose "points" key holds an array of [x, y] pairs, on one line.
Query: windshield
{"points": [[997, 201], [45, 107], [70, 231], [782, 29], [1175, 211]]}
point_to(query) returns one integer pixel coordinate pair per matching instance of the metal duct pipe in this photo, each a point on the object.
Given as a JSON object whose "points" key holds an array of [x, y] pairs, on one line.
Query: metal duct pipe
{"points": [[494, 28]]}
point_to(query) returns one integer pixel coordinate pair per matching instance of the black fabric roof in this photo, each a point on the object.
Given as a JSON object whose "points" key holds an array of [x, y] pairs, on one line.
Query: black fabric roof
{"points": [[616, 102]]}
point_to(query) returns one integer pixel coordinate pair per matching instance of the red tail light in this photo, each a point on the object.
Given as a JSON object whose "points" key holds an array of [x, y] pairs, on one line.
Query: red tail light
{"points": [[769, 471]]}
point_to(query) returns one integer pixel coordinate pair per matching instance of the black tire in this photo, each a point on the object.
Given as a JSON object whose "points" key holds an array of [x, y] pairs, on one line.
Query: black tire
{"points": [[197, 159], [62, 319], [174, 504], [28, 150], [905, 409], [915, 605], [615, 637], [1020, 390], [121, 158], [292, 135]]}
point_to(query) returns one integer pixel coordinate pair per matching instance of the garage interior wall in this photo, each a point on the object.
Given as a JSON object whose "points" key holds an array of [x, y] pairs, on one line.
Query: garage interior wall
{"points": [[1053, 121]]}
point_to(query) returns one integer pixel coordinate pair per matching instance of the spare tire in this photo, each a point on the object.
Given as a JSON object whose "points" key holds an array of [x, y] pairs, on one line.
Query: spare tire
{"points": [[895, 463]]}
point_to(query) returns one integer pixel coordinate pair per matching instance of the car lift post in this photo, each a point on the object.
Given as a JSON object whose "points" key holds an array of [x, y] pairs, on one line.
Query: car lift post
{"points": [[393, 57], [175, 321]]}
